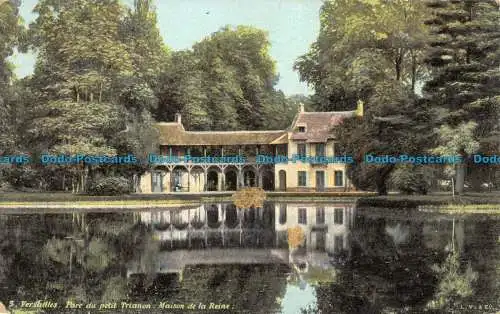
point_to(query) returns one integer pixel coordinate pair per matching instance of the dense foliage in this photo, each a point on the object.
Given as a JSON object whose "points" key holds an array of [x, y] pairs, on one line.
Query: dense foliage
{"points": [[418, 66]]}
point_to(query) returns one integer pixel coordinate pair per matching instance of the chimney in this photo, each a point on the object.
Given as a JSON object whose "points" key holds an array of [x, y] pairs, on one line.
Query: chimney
{"points": [[359, 109], [178, 118], [301, 107]]}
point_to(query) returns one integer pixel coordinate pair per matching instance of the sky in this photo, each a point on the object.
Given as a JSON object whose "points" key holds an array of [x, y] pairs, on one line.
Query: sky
{"points": [[293, 25]]}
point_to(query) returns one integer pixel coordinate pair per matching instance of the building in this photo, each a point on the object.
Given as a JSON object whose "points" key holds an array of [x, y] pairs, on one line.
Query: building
{"points": [[220, 233], [310, 135]]}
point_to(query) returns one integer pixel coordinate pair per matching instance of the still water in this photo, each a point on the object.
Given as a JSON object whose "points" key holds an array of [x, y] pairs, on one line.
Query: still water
{"points": [[282, 258]]}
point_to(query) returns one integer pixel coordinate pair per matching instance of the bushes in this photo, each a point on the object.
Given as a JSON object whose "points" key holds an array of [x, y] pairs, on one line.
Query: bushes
{"points": [[110, 186], [410, 179]]}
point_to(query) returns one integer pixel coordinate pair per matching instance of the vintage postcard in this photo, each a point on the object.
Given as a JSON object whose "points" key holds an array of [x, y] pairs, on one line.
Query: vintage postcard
{"points": [[265, 156]]}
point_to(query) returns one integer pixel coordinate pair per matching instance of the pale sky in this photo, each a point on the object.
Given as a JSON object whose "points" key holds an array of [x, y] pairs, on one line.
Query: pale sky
{"points": [[293, 26]]}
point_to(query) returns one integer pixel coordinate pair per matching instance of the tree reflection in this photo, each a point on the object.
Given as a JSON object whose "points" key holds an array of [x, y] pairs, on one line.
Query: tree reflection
{"points": [[454, 285]]}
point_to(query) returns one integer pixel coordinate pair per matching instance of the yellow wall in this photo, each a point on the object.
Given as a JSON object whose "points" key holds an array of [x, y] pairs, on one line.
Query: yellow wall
{"points": [[292, 169]]}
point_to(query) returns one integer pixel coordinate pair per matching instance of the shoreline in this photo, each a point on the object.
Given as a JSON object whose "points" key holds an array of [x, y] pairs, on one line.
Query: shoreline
{"points": [[479, 203]]}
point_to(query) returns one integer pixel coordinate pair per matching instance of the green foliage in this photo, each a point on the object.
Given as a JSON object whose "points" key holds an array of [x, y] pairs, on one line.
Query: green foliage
{"points": [[110, 186], [139, 31], [20, 176], [10, 33], [411, 179], [457, 141], [454, 285], [394, 123], [98, 256], [465, 66], [360, 44], [225, 82]]}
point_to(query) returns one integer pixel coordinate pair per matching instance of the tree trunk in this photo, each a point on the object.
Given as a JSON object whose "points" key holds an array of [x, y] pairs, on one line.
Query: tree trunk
{"points": [[460, 182], [100, 91], [381, 179], [399, 63], [413, 70]]}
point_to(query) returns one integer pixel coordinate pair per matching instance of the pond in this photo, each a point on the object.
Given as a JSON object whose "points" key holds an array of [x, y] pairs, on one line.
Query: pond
{"points": [[282, 258]]}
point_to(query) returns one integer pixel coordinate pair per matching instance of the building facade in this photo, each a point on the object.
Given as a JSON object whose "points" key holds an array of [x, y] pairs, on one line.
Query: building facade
{"points": [[204, 161], [222, 234]]}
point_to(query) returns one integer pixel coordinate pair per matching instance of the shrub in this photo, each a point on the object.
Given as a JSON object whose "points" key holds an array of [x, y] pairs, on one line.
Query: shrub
{"points": [[410, 179], [110, 186], [249, 197]]}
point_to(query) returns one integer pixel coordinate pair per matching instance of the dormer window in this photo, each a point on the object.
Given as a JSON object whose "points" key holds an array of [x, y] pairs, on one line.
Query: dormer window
{"points": [[302, 129]]}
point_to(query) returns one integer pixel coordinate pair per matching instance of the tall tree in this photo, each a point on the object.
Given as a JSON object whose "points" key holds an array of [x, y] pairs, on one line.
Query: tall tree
{"points": [[465, 63], [10, 33], [92, 80], [363, 42], [370, 51], [140, 32], [227, 81]]}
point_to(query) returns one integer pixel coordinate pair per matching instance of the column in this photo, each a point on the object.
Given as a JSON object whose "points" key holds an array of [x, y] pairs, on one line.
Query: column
{"points": [[189, 179], [223, 176], [205, 184], [239, 179], [205, 227], [219, 212], [219, 181], [222, 151], [204, 151]]}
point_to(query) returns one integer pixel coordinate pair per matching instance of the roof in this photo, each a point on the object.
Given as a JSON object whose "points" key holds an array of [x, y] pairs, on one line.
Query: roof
{"points": [[173, 133], [318, 130], [318, 125]]}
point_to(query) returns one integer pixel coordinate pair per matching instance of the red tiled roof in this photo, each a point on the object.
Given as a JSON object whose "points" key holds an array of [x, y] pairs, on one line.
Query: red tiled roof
{"points": [[318, 125]]}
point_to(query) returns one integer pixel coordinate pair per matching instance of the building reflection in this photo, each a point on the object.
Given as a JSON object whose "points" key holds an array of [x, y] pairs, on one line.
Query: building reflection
{"points": [[222, 234]]}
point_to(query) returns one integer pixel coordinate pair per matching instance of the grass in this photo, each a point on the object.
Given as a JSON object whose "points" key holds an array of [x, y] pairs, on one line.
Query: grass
{"points": [[493, 209], [110, 203]]}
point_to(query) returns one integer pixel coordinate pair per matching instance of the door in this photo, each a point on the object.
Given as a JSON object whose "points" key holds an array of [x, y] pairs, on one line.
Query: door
{"points": [[156, 182], [320, 181], [282, 178]]}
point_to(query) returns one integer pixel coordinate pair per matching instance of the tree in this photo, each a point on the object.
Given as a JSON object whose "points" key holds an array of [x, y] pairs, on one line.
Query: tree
{"points": [[10, 34], [139, 31], [464, 59], [393, 124], [458, 141], [226, 82], [94, 77], [361, 43], [370, 51]]}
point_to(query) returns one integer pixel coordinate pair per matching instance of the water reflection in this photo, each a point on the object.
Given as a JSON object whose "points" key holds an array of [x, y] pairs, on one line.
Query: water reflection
{"points": [[345, 262]]}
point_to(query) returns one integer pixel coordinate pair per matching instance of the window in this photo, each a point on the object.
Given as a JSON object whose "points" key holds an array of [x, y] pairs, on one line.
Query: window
{"points": [[301, 178], [320, 241], [302, 216], [320, 215], [302, 129], [301, 149], [320, 149], [282, 214], [338, 218], [339, 178]]}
